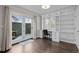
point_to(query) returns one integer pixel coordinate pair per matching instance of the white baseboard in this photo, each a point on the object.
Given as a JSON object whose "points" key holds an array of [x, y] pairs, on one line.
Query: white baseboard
{"points": [[68, 41], [56, 40]]}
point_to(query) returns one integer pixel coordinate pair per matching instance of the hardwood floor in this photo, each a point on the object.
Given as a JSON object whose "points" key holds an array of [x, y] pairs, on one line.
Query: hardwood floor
{"points": [[44, 46]]}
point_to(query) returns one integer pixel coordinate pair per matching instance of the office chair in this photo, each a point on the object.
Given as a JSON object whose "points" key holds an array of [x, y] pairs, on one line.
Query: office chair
{"points": [[46, 35]]}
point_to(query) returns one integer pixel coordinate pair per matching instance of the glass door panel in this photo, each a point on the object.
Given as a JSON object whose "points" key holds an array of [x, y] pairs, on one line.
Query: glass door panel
{"points": [[28, 27], [16, 27]]}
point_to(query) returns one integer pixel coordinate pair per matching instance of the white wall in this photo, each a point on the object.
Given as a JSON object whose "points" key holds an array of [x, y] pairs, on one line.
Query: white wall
{"points": [[67, 25], [34, 26], [5, 35], [77, 26], [1, 24], [39, 26], [4, 28]]}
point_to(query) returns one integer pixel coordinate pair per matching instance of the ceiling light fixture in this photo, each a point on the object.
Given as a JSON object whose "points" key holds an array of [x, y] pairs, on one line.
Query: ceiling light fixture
{"points": [[45, 6]]}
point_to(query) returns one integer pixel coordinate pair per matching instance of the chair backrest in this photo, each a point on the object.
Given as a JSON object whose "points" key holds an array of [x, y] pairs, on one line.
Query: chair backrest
{"points": [[45, 32]]}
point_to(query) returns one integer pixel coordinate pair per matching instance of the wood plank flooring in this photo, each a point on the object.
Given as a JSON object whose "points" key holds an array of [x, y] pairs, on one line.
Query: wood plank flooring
{"points": [[44, 46]]}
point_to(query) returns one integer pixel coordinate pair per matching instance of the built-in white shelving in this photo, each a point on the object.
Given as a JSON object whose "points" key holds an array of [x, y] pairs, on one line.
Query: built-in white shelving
{"points": [[64, 24]]}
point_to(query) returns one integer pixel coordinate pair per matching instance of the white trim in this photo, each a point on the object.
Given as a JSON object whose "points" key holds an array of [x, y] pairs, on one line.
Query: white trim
{"points": [[68, 41]]}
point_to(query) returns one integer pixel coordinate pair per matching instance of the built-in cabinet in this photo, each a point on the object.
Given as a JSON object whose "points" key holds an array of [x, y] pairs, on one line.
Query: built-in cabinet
{"points": [[49, 23], [63, 22]]}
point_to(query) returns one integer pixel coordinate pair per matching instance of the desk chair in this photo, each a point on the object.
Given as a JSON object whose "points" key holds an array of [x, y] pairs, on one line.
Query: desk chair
{"points": [[46, 35]]}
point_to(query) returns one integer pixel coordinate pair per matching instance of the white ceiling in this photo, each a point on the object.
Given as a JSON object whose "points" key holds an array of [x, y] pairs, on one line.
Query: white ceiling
{"points": [[39, 10]]}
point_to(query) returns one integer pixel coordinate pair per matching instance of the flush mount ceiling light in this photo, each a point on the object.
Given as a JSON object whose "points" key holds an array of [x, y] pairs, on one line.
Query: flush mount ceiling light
{"points": [[45, 6]]}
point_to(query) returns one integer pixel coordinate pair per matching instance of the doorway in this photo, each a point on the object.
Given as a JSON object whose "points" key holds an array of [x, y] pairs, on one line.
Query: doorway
{"points": [[21, 28]]}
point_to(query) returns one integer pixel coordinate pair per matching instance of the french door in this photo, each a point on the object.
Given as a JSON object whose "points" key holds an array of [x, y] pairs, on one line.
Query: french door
{"points": [[21, 28]]}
